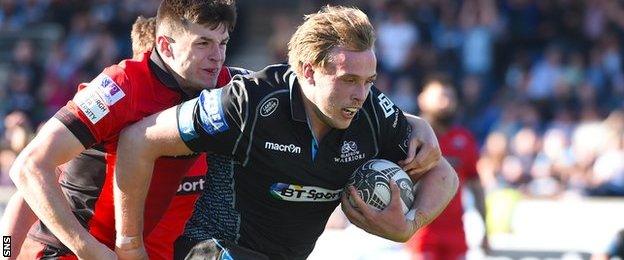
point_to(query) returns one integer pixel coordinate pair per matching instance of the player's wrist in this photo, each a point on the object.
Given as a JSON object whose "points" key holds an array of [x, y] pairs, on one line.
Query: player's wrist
{"points": [[128, 242]]}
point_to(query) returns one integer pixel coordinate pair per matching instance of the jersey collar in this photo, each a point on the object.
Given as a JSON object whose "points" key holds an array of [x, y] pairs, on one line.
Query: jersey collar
{"points": [[296, 101], [165, 77], [161, 73]]}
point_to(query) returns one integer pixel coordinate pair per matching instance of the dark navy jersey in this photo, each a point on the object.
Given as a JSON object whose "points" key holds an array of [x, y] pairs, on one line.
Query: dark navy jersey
{"points": [[267, 188]]}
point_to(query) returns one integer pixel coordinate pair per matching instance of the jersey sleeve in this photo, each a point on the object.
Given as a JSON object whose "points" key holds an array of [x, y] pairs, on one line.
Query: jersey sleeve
{"points": [[215, 121], [98, 110], [393, 128]]}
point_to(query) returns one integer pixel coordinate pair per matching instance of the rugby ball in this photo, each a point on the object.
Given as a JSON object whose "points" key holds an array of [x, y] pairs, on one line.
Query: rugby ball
{"points": [[372, 182]]}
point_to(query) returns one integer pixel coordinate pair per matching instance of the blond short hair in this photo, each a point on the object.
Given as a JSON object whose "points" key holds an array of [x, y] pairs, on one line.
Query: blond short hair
{"points": [[320, 33], [143, 35]]}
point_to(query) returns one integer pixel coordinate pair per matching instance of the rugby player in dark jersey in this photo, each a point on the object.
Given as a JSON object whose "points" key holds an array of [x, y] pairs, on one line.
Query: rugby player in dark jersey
{"points": [[284, 142]]}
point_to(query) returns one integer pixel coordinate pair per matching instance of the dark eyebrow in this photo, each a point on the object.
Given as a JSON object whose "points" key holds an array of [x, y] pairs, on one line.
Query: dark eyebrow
{"points": [[204, 38]]}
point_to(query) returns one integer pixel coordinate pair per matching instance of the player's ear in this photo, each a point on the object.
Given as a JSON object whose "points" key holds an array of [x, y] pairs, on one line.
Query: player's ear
{"points": [[308, 73], [163, 45]]}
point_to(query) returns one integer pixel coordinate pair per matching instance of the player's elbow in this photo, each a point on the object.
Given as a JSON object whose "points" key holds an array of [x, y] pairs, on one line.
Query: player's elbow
{"points": [[444, 177], [17, 173], [449, 176], [26, 168]]}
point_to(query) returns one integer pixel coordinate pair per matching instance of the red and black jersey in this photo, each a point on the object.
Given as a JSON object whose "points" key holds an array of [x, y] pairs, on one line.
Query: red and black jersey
{"points": [[121, 95]]}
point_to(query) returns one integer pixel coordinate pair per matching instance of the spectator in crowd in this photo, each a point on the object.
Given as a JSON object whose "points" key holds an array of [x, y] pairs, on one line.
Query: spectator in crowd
{"points": [[397, 38]]}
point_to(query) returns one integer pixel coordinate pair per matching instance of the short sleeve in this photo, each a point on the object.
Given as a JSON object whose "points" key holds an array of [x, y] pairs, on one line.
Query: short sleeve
{"points": [[98, 110], [214, 121], [394, 129]]}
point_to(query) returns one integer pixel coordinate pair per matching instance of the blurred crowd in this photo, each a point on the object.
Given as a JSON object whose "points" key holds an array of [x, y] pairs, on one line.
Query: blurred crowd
{"points": [[541, 82]]}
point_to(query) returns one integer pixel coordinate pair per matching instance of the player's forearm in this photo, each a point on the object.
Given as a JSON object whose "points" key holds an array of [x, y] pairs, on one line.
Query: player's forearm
{"points": [[45, 198], [435, 191], [138, 147], [16, 221], [133, 172]]}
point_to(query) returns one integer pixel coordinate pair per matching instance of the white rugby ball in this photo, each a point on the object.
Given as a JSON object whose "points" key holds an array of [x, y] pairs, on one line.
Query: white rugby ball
{"points": [[372, 182]]}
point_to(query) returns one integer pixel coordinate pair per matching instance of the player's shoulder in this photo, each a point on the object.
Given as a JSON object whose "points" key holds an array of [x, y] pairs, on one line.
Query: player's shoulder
{"points": [[124, 73], [115, 82], [276, 75], [271, 79], [380, 105], [238, 71]]}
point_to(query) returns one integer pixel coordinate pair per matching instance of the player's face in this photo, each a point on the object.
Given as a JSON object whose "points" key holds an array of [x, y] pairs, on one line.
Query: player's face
{"points": [[198, 54], [342, 87]]}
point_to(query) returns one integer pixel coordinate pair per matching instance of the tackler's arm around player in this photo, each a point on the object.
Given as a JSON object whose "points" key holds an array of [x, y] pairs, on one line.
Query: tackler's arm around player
{"points": [[145, 141], [435, 190]]}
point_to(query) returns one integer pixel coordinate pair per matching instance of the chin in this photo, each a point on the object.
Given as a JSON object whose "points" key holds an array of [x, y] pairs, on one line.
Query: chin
{"points": [[342, 125], [205, 84]]}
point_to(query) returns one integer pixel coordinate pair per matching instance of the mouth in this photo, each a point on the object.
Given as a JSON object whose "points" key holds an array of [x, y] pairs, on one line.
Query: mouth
{"points": [[211, 71], [349, 112]]}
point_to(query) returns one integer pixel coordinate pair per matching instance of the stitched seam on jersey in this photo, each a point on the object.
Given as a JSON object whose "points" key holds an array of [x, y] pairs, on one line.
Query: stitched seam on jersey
{"points": [[253, 125], [370, 93], [291, 81], [244, 123], [370, 123]]}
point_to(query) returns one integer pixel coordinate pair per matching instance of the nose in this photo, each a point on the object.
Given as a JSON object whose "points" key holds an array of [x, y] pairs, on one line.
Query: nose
{"points": [[217, 54], [360, 92]]}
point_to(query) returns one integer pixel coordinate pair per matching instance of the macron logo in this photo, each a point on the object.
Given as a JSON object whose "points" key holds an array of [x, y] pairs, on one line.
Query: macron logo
{"points": [[291, 148]]}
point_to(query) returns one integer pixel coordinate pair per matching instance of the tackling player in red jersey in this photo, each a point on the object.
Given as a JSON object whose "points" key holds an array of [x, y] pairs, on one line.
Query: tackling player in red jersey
{"points": [[18, 217], [444, 238], [77, 215], [159, 242]]}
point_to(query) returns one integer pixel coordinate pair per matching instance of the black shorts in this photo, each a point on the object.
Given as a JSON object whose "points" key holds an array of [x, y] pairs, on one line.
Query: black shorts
{"points": [[186, 248]]}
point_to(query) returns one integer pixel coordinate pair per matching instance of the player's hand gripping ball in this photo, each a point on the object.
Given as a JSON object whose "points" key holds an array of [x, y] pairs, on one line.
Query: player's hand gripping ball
{"points": [[372, 182]]}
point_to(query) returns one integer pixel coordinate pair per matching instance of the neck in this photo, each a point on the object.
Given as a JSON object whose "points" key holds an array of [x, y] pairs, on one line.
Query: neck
{"points": [[317, 126]]}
